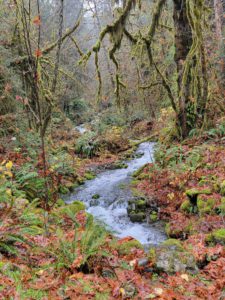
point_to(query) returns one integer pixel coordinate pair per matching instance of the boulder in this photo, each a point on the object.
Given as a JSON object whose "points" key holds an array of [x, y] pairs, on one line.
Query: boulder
{"points": [[171, 257], [205, 204], [193, 194], [137, 217]]}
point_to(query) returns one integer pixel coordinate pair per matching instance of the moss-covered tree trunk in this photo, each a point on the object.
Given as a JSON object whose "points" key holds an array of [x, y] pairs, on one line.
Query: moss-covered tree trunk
{"points": [[183, 42]]}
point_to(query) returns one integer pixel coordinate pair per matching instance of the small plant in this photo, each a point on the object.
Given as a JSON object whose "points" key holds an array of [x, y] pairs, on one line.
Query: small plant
{"points": [[87, 146]]}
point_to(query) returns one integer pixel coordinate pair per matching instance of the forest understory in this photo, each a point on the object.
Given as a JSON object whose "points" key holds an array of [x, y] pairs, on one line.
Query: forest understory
{"points": [[84, 85], [64, 254]]}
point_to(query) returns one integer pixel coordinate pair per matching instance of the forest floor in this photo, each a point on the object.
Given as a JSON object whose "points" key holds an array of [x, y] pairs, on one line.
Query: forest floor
{"points": [[64, 254]]}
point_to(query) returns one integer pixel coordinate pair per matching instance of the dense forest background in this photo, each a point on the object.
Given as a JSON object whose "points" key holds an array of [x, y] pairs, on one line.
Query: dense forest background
{"points": [[84, 85]]}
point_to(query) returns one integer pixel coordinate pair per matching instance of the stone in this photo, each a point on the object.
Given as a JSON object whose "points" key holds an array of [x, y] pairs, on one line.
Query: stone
{"points": [[171, 257], [137, 217], [205, 204], [153, 216], [96, 196], [219, 236], [107, 273], [140, 204], [142, 262], [193, 193], [126, 247], [186, 206]]}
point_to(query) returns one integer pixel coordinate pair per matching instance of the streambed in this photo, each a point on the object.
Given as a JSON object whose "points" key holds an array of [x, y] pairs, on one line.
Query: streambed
{"points": [[112, 188]]}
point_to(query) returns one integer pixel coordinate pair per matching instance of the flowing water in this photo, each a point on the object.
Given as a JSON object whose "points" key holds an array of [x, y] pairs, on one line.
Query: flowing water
{"points": [[112, 186]]}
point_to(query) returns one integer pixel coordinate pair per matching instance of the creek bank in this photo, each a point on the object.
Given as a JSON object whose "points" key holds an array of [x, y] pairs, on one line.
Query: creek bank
{"points": [[110, 206]]}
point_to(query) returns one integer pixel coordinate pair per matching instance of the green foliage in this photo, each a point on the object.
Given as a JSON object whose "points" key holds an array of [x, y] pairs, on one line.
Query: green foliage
{"points": [[87, 146], [84, 245], [77, 110], [30, 182]]}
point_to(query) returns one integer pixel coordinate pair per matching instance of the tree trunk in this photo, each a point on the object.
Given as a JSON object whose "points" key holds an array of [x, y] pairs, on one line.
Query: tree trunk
{"points": [[183, 42]]}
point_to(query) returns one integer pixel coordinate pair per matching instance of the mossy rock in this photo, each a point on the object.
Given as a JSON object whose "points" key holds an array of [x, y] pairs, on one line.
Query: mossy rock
{"points": [[171, 258], [186, 206], [126, 247], [153, 216], [73, 207], [219, 236], [152, 254], [137, 217], [205, 204], [121, 165], [95, 196], [222, 188], [140, 204], [143, 176], [139, 171], [221, 208], [173, 244], [193, 194], [80, 180], [89, 175]]}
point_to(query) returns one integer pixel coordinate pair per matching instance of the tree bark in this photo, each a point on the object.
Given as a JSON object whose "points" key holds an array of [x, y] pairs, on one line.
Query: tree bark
{"points": [[183, 42]]}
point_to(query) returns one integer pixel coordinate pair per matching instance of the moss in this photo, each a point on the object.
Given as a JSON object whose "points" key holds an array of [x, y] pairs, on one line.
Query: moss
{"points": [[186, 206], [222, 188], [89, 175], [143, 176], [96, 196], [195, 192], [121, 165], [137, 217], [219, 236], [139, 171], [152, 254], [153, 216], [221, 207], [126, 247], [205, 205], [140, 204], [173, 243]]}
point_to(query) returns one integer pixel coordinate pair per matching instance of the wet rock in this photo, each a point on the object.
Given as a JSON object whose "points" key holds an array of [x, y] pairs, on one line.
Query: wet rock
{"points": [[137, 217], [153, 217], [96, 196], [171, 257], [142, 262], [94, 202], [140, 205]]}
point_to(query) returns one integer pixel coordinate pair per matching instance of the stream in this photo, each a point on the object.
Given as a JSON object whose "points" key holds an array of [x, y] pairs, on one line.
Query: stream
{"points": [[112, 188]]}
